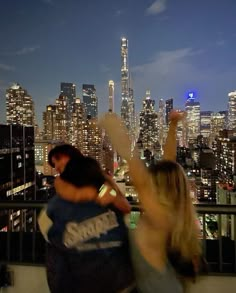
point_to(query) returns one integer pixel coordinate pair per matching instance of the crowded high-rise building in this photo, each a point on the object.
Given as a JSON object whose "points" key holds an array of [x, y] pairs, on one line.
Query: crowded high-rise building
{"points": [[169, 108], [205, 124], [68, 90], [225, 153], [192, 108], [161, 122], [62, 123], [148, 123], [17, 174], [90, 100], [55, 120], [77, 122], [19, 106], [49, 122], [132, 108], [92, 140], [42, 148], [232, 110], [218, 123]]}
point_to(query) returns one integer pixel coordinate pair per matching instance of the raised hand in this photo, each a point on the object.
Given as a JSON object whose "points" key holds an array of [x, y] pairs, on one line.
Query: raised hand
{"points": [[176, 116], [118, 133]]}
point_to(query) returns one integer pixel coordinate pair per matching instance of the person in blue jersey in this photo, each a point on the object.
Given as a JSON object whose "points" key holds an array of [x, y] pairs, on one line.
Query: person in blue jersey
{"points": [[87, 243]]}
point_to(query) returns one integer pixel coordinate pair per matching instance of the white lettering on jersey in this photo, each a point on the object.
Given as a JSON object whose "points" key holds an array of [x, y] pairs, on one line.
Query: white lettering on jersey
{"points": [[77, 233]]}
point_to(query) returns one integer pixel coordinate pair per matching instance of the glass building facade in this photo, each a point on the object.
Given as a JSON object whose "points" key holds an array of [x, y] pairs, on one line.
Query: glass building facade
{"points": [[17, 172]]}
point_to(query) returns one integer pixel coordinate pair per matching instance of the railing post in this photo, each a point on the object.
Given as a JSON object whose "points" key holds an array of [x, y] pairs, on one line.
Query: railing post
{"points": [[234, 238], [204, 233], [220, 243]]}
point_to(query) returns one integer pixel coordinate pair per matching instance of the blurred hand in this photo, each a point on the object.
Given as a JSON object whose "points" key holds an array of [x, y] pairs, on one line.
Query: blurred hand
{"points": [[176, 116], [117, 133], [108, 197], [115, 197]]}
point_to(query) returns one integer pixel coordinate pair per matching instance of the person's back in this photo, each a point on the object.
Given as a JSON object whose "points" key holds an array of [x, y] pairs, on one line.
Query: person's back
{"points": [[148, 278], [88, 248]]}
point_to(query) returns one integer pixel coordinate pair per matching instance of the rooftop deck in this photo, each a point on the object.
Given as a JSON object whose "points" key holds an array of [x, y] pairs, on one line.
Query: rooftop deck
{"points": [[24, 252]]}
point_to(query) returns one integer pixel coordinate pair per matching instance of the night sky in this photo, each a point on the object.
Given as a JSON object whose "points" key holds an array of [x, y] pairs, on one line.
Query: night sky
{"points": [[174, 47]]}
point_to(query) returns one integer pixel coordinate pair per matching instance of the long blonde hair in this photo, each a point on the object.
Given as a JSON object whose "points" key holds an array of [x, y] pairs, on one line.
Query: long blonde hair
{"points": [[173, 191]]}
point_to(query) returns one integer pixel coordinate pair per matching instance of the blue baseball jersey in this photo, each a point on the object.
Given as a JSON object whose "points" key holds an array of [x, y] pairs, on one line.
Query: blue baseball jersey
{"points": [[87, 248]]}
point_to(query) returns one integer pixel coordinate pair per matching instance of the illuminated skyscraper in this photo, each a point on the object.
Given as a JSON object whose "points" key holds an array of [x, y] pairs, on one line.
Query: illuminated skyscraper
{"points": [[107, 154], [169, 108], [49, 122], [55, 119], [161, 122], [62, 123], [182, 134], [225, 153], [232, 111], [225, 114], [127, 92], [42, 148], [90, 100], [69, 90], [125, 100], [107, 149], [19, 106], [132, 109], [148, 123], [111, 96], [77, 122], [205, 124], [17, 175], [217, 124], [92, 140], [192, 109]]}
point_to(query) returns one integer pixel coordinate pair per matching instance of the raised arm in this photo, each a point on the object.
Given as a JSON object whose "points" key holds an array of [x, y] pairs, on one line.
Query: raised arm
{"points": [[154, 211], [170, 146]]}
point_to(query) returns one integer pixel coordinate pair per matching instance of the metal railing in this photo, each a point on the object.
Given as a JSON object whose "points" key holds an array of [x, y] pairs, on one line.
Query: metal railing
{"points": [[218, 224]]}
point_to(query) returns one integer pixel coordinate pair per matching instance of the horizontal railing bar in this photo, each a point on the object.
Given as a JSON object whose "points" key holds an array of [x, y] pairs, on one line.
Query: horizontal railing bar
{"points": [[29, 204], [206, 208], [200, 208]]}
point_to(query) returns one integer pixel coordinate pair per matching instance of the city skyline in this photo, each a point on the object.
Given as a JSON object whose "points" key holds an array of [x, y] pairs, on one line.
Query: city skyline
{"points": [[173, 49]]}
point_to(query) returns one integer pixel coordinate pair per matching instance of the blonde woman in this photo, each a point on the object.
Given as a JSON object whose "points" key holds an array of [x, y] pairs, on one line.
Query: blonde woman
{"points": [[165, 247]]}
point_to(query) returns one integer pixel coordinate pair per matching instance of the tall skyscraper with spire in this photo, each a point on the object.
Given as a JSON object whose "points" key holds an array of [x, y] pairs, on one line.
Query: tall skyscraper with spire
{"points": [[111, 96], [132, 107], [127, 92], [125, 115]]}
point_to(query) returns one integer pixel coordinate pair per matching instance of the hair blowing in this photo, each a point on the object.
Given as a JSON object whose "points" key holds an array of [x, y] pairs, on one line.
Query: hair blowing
{"points": [[173, 190]]}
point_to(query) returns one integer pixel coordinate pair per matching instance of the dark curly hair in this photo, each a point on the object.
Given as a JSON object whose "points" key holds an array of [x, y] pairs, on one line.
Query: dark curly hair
{"points": [[64, 149], [80, 170]]}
